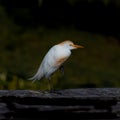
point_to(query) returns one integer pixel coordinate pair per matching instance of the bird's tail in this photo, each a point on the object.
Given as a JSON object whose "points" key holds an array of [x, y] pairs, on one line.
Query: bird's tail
{"points": [[37, 76]]}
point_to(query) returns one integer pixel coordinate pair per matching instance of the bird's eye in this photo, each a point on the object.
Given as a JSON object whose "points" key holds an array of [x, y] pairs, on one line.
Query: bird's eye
{"points": [[71, 44]]}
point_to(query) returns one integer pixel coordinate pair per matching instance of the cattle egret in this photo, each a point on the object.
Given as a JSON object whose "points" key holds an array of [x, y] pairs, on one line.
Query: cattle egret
{"points": [[54, 59]]}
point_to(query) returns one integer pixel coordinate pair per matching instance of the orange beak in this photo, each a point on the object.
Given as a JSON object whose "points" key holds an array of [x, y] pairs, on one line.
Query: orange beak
{"points": [[77, 46]]}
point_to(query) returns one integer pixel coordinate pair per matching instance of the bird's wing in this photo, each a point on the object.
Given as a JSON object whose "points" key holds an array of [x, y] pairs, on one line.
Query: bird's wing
{"points": [[49, 62], [45, 66]]}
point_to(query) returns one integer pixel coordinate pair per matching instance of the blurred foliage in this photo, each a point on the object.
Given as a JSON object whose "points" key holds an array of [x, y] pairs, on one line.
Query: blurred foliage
{"points": [[97, 65], [101, 16], [22, 50], [117, 2]]}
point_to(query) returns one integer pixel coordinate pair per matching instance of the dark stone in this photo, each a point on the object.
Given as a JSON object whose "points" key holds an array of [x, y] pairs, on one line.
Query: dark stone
{"points": [[90, 103]]}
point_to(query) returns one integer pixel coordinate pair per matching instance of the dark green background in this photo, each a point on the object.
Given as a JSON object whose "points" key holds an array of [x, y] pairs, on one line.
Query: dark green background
{"points": [[29, 28]]}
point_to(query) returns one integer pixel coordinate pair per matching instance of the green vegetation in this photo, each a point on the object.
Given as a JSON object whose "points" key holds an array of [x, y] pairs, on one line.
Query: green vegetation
{"points": [[97, 65], [21, 52]]}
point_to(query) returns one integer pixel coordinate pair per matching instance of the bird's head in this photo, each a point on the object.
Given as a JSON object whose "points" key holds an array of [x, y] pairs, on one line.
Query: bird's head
{"points": [[70, 45]]}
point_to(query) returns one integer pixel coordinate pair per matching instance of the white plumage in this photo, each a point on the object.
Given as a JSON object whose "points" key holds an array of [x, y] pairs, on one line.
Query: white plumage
{"points": [[54, 59]]}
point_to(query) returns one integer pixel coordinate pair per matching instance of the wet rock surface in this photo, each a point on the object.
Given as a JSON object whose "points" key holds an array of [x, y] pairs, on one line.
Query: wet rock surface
{"points": [[88, 103]]}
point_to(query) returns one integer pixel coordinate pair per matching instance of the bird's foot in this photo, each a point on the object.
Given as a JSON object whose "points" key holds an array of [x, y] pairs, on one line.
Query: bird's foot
{"points": [[55, 91]]}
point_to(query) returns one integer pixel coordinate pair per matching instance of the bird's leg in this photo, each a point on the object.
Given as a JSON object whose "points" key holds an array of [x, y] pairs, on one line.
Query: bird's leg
{"points": [[49, 85], [62, 69]]}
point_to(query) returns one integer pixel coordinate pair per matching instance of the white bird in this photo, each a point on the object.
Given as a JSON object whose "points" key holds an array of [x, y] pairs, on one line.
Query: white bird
{"points": [[54, 59]]}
